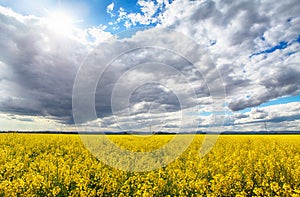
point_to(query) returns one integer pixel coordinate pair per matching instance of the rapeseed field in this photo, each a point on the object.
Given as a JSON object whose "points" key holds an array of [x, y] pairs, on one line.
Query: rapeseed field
{"points": [[238, 165]]}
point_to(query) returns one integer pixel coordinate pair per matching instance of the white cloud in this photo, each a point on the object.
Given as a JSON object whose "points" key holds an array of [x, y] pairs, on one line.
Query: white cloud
{"points": [[240, 29], [150, 13], [110, 8], [276, 117]]}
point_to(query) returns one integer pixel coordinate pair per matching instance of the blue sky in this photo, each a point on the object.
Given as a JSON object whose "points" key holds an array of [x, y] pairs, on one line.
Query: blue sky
{"points": [[283, 100], [87, 13], [193, 61], [278, 101]]}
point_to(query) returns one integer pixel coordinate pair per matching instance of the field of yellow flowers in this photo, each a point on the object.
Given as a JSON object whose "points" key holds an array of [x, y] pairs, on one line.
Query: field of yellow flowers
{"points": [[238, 165]]}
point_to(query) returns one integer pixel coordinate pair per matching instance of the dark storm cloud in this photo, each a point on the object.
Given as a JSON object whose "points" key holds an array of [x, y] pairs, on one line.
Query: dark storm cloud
{"points": [[40, 65]]}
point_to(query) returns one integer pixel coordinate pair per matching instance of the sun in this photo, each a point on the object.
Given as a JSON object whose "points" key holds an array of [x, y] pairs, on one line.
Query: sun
{"points": [[60, 22]]}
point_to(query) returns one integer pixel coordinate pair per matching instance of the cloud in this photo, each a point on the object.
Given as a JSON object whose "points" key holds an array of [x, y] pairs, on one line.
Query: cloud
{"points": [[149, 13], [156, 72], [258, 113], [110, 8], [139, 78], [272, 83], [276, 117], [238, 30], [97, 35], [39, 66]]}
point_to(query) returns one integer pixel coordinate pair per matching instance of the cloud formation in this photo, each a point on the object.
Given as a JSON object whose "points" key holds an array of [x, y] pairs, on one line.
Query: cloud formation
{"points": [[276, 117], [146, 77], [110, 8], [236, 30], [38, 67]]}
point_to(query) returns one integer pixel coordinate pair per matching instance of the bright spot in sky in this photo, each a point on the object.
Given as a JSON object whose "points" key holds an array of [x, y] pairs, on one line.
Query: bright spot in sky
{"points": [[60, 22]]}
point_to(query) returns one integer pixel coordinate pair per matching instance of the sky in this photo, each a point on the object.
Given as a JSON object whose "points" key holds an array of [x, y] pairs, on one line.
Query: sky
{"points": [[161, 65]]}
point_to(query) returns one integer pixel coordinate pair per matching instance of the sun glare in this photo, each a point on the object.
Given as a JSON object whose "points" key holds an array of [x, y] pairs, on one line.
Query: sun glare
{"points": [[60, 22]]}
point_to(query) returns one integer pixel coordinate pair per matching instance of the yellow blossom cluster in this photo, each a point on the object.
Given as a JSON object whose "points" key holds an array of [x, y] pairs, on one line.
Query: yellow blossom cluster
{"points": [[238, 165]]}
